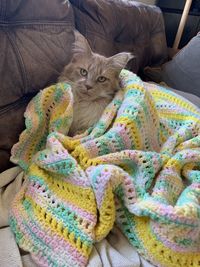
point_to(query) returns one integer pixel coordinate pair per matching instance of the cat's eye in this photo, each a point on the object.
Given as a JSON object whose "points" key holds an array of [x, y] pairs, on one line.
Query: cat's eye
{"points": [[83, 72], [101, 79]]}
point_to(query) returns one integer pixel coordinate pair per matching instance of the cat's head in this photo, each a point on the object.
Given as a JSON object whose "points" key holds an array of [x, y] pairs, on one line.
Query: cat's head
{"points": [[92, 74]]}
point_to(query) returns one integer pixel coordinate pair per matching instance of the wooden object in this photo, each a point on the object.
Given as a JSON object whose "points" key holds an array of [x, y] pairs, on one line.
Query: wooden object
{"points": [[182, 23]]}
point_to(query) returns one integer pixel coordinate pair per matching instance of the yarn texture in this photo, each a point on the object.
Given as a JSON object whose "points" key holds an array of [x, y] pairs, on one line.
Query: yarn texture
{"points": [[138, 167]]}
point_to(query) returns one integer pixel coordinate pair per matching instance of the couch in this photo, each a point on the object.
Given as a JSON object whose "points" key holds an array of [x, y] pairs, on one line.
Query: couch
{"points": [[36, 39]]}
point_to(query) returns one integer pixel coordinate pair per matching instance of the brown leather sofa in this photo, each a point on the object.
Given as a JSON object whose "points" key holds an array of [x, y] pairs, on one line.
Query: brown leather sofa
{"points": [[35, 43]]}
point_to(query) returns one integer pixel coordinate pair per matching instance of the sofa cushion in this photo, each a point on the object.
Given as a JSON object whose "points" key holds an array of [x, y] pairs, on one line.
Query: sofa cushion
{"points": [[36, 39], [112, 26], [183, 71]]}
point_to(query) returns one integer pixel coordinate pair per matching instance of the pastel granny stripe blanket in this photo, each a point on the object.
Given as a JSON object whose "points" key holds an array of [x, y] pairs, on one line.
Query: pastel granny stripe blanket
{"points": [[138, 167]]}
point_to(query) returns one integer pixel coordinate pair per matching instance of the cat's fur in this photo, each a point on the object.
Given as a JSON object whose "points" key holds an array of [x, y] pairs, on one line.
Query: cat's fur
{"points": [[91, 96]]}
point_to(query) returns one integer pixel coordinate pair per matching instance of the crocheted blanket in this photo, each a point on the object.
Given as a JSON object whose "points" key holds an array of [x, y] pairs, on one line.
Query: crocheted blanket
{"points": [[138, 167]]}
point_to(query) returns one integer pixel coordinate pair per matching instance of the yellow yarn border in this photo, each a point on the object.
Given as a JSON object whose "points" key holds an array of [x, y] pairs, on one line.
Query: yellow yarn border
{"points": [[159, 253]]}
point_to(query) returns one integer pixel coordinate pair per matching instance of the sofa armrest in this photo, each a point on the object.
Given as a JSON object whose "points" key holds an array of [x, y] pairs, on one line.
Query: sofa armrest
{"points": [[35, 44]]}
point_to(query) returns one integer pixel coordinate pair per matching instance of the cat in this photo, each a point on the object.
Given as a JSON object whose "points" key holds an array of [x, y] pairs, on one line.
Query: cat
{"points": [[94, 80]]}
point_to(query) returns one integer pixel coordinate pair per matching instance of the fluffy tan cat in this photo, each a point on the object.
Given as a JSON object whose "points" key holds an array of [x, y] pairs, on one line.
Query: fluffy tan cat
{"points": [[94, 80]]}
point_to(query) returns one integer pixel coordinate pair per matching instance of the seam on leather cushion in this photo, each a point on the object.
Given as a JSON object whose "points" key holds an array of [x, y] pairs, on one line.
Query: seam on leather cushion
{"points": [[19, 60]]}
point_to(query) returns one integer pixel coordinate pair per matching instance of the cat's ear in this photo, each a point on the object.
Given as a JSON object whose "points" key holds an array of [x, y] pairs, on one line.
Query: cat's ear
{"points": [[120, 60], [81, 45]]}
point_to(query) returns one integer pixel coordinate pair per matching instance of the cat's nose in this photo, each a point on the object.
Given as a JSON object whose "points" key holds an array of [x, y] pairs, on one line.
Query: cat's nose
{"points": [[88, 86]]}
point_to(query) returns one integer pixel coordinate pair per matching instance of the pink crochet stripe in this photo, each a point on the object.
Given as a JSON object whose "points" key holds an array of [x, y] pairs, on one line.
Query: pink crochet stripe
{"points": [[172, 245], [52, 239], [35, 195]]}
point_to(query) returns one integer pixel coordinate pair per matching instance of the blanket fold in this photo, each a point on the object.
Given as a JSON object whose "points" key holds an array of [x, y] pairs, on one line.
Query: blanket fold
{"points": [[138, 167]]}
